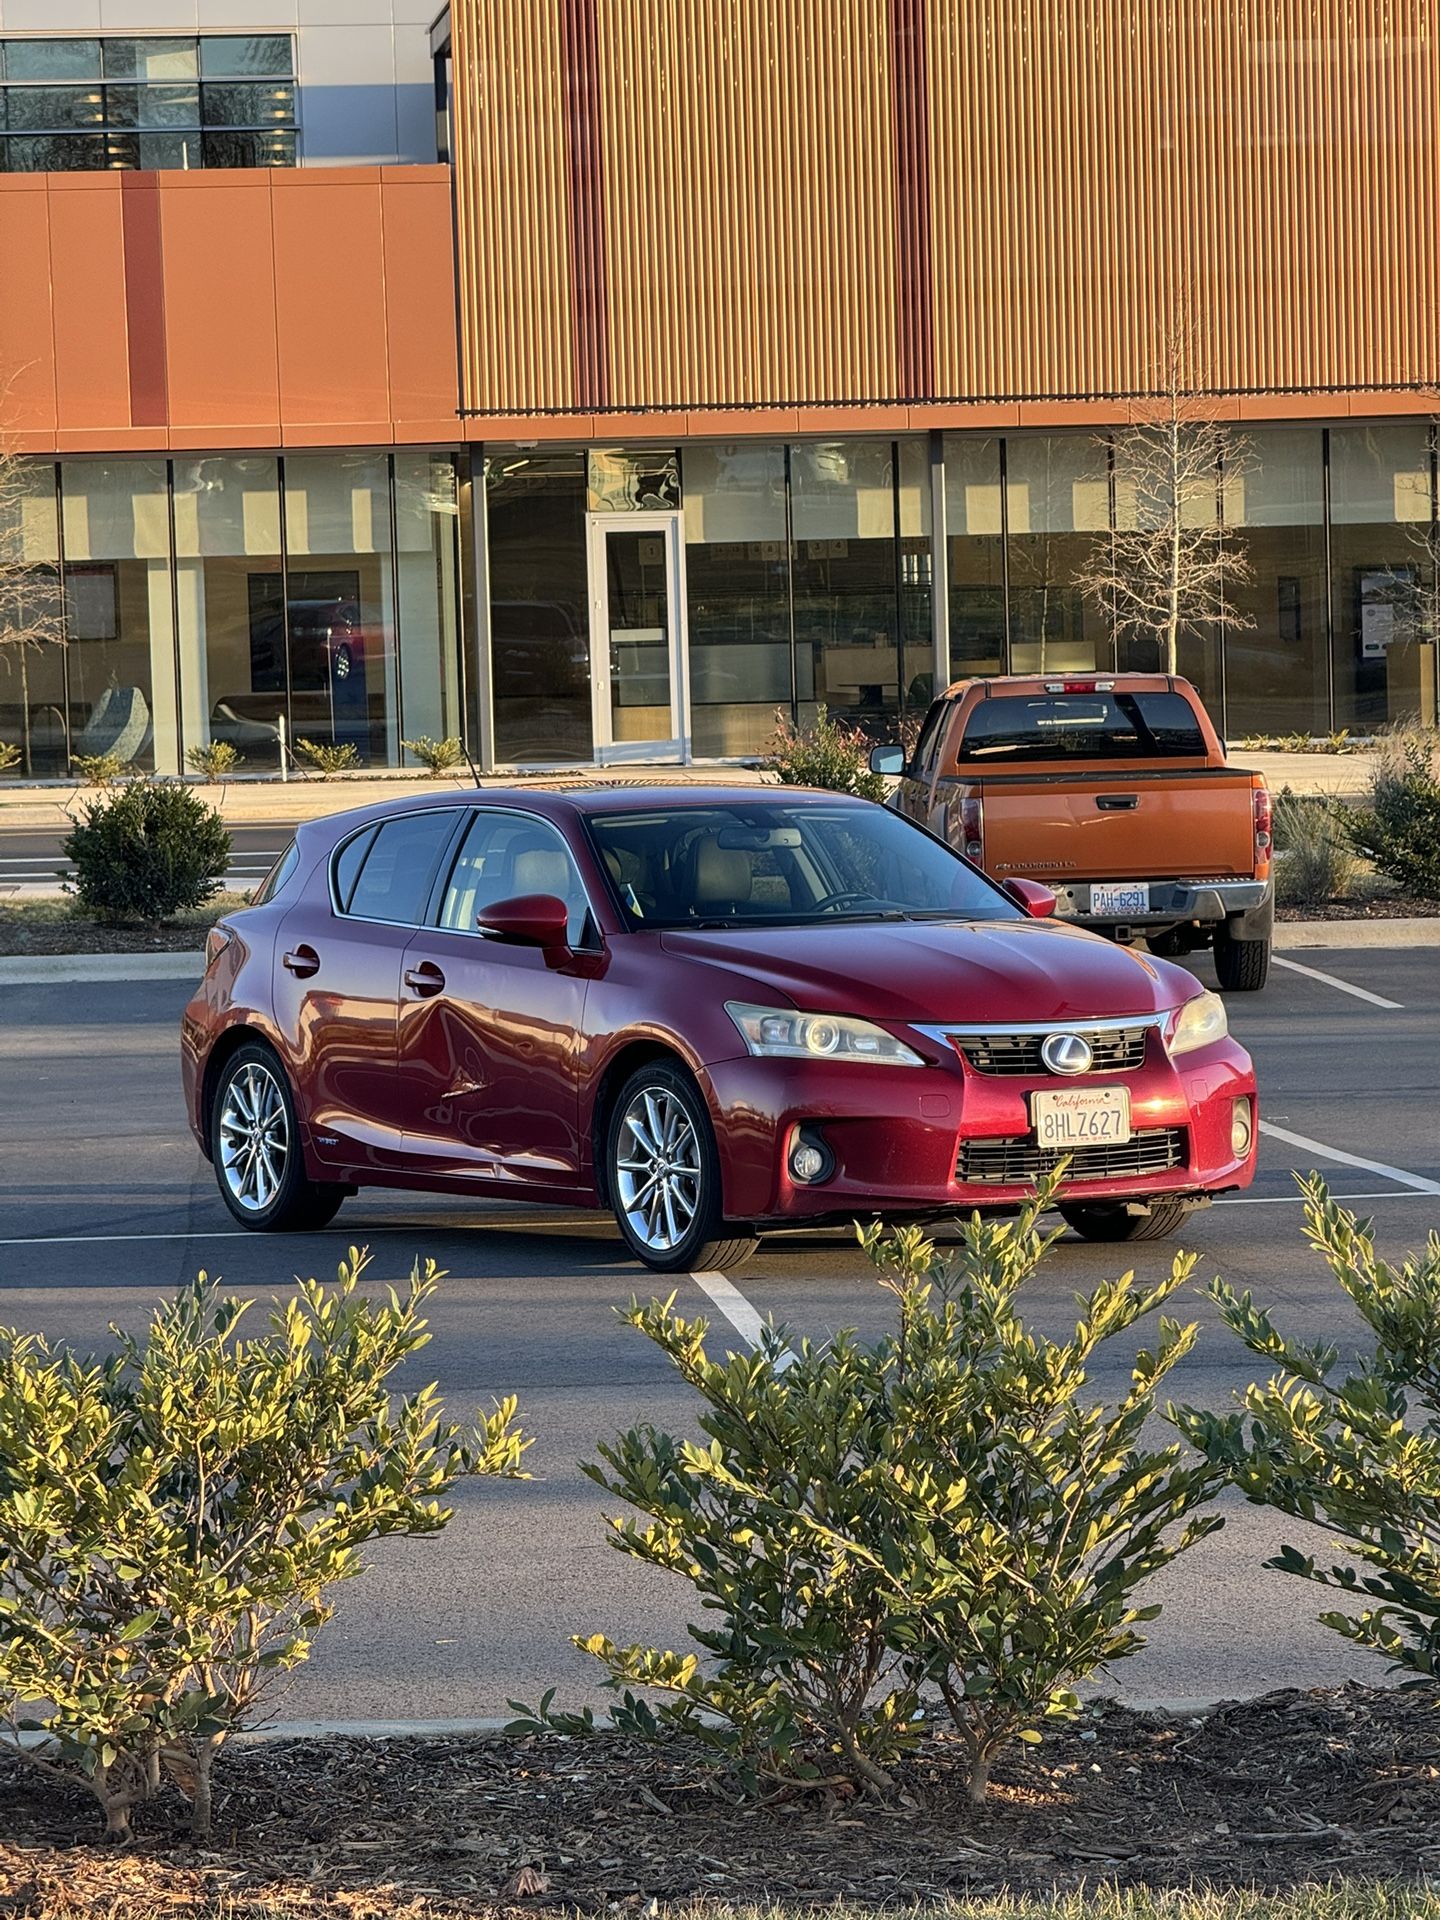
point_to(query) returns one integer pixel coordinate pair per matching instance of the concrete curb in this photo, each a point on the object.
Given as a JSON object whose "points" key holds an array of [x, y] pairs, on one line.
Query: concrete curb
{"points": [[1293, 935]]}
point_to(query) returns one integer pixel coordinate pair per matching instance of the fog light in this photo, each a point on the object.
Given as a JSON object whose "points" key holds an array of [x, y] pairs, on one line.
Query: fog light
{"points": [[1242, 1130], [807, 1163]]}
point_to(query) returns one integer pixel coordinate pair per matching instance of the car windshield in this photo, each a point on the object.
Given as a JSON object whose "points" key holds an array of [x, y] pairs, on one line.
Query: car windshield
{"points": [[773, 863]]}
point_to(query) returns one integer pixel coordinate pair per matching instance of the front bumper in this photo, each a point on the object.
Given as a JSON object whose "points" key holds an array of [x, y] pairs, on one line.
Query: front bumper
{"points": [[910, 1140]]}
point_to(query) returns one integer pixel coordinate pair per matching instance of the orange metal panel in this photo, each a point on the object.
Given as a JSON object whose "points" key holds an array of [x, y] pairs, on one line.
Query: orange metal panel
{"points": [[417, 231], [88, 319], [329, 305], [220, 308], [27, 346]]}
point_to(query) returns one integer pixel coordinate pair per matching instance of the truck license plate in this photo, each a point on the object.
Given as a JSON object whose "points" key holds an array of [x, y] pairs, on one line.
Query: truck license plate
{"points": [[1131, 899], [1081, 1117]]}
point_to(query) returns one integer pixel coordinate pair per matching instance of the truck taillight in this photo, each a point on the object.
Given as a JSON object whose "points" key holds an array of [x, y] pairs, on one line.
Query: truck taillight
{"points": [[1263, 825], [972, 829]]}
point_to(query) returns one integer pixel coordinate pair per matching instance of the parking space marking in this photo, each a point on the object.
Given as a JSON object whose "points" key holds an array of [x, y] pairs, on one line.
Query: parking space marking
{"points": [[742, 1316], [1417, 1181], [1298, 1199], [1330, 980]]}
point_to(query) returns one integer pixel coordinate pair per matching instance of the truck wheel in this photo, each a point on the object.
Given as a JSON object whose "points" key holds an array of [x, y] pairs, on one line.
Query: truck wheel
{"points": [[1242, 966], [1115, 1223]]}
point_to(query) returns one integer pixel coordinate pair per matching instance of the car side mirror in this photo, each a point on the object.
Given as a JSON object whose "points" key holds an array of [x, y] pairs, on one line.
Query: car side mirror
{"points": [[1038, 901], [529, 920], [889, 760]]}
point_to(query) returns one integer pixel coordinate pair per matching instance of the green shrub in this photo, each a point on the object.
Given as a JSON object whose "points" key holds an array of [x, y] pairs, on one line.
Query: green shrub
{"points": [[329, 758], [1355, 1451], [9, 756], [439, 756], [944, 1512], [1402, 833], [98, 769], [825, 754], [214, 760], [146, 853], [1315, 862], [172, 1518]]}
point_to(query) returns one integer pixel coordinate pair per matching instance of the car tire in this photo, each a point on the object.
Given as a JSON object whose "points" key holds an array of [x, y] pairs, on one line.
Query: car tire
{"points": [[662, 1172], [1241, 966], [255, 1144], [1101, 1222]]}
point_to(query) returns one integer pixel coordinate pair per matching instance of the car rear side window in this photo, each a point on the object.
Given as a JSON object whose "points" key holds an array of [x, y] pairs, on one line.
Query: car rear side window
{"points": [[279, 876], [348, 862], [1082, 726], [397, 869]]}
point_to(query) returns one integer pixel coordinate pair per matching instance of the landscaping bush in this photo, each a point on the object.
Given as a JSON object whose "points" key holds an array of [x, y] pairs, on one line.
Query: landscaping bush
{"points": [[9, 756], [1356, 1450], [98, 769], [328, 759], [825, 754], [941, 1513], [438, 756], [146, 853], [173, 1517], [1315, 860], [215, 760], [1402, 833]]}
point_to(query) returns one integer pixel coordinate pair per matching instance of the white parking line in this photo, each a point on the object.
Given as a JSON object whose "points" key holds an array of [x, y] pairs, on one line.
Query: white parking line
{"points": [[1416, 1181], [1298, 1199], [739, 1312], [1330, 980]]}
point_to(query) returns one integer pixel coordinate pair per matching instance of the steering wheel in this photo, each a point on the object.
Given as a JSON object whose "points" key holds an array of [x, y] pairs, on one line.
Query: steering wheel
{"points": [[844, 898]]}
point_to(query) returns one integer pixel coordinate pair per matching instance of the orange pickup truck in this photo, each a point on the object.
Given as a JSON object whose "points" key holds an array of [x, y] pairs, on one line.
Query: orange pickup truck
{"points": [[1114, 791]]}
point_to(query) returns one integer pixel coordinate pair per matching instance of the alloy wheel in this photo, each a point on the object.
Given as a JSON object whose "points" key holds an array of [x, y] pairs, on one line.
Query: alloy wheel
{"points": [[658, 1170], [254, 1137]]}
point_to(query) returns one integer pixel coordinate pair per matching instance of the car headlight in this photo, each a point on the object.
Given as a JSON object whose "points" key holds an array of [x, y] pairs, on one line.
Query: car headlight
{"points": [[1199, 1023], [780, 1033]]}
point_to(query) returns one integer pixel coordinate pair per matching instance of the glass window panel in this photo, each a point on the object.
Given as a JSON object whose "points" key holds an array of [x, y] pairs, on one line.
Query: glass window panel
{"points": [[341, 604], [32, 689], [56, 153], [737, 582], [118, 606], [916, 579], [249, 149], [161, 58], [158, 150], [844, 570], [232, 605], [238, 56], [1383, 553], [1276, 677], [973, 526], [539, 607], [177, 106], [1057, 495], [52, 60], [621, 481], [249, 106], [427, 536], [53, 109]]}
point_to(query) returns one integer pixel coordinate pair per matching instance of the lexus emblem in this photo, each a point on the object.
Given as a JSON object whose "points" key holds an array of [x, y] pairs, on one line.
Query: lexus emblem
{"points": [[1067, 1053]]}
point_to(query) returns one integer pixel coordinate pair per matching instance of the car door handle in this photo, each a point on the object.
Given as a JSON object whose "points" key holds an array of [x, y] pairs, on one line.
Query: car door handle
{"points": [[1117, 802], [426, 979], [302, 962]]}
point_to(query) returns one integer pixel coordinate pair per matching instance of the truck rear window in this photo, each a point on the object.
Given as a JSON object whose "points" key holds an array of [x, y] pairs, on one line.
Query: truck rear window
{"points": [[1083, 726]]}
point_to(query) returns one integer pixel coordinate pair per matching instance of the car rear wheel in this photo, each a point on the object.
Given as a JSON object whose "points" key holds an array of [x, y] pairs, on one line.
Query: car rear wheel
{"points": [[255, 1142], [1116, 1223], [1241, 966], [663, 1173]]}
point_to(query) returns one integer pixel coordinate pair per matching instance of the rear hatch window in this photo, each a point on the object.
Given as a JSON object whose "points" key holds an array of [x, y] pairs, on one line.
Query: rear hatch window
{"points": [[1083, 726]]}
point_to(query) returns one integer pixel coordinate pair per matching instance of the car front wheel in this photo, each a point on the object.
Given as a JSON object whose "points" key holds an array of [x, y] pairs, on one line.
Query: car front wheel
{"points": [[255, 1143], [663, 1174]]}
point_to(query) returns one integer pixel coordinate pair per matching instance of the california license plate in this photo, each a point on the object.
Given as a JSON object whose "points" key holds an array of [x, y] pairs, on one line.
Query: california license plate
{"points": [[1129, 899], [1081, 1117]]}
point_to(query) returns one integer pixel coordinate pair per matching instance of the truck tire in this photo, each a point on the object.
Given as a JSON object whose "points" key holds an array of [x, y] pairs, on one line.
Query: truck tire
{"points": [[1102, 1222], [1241, 966]]}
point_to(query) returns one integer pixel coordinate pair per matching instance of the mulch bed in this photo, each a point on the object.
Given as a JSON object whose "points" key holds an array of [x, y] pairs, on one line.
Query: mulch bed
{"points": [[1391, 907], [1291, 1789], [49, 939]]}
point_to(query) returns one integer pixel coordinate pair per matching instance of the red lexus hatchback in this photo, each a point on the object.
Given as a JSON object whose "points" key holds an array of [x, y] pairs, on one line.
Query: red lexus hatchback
{"points": [[711, 1010]]}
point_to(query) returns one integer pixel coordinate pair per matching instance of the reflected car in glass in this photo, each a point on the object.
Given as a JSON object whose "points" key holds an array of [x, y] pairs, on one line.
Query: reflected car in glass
{"points": [[714, 1011]]}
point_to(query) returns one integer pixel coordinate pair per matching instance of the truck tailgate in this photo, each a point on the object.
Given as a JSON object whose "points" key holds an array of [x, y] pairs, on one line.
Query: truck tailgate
{"points": [[1183, 823]]}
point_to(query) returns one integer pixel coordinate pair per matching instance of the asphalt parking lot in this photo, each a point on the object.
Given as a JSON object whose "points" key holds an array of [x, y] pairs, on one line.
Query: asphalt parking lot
{"points": [[105, 1203]]}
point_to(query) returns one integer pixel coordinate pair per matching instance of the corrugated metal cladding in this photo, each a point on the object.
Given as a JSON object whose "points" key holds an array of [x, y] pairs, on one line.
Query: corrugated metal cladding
{"points": [[714, 203]]}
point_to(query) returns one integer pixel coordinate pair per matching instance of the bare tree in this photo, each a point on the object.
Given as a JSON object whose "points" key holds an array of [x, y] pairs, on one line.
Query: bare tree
{"points": [[1168, 565], [31, 615]]}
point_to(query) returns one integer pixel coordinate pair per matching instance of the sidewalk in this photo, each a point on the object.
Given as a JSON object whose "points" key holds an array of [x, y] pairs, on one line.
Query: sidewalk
{"points": [[256, 802]]}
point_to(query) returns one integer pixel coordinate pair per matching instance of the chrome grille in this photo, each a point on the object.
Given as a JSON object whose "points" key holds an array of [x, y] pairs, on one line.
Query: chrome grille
{"points": [[1019, 1162], [1116, 1049]]}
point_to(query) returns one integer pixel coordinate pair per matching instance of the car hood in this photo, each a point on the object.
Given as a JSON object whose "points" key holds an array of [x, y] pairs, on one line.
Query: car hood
{"points": [[990, 971]]}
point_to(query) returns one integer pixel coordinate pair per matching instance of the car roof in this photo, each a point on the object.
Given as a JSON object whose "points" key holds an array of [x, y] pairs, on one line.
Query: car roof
{"points": [[993, 684]]}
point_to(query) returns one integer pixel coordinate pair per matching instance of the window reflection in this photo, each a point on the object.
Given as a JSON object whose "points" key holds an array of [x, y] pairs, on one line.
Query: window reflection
{"points": [[847, 639], [539, 607], [737, 587], [1057, 497], [1277, 675], [1382, 579], [974, 524]]}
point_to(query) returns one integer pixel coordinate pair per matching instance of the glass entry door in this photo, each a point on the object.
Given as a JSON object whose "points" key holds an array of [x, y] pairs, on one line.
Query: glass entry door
{"points": [[637, 637]]}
